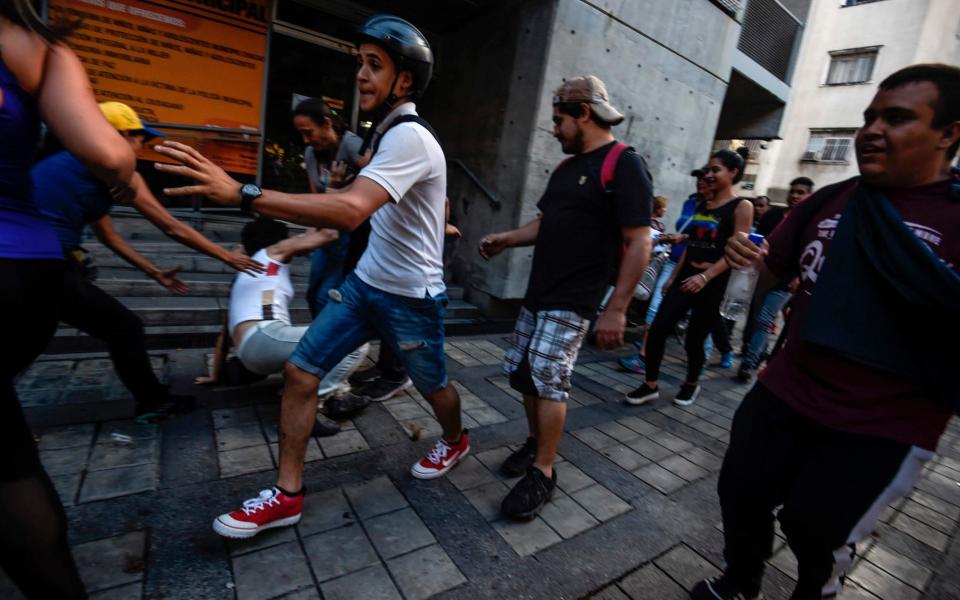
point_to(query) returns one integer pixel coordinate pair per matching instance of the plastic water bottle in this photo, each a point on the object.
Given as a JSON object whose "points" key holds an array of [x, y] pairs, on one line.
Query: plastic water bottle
{"points": [[739, 294]]}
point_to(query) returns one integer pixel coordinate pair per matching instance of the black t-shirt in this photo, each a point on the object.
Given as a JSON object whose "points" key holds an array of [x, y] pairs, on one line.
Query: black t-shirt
{"points": [[770, 220], [579, 244], [709, 230]]}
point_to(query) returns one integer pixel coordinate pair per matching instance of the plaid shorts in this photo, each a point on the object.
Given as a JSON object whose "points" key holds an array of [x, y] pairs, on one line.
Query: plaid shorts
{"points": [[543, 351]]}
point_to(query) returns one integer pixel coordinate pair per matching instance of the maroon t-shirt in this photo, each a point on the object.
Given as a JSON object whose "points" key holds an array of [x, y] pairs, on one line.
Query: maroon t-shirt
{"points": [[836, 392]]}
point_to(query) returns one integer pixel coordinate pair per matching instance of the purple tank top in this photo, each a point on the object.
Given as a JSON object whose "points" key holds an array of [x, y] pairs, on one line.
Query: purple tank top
{"points": [[24, 233]]}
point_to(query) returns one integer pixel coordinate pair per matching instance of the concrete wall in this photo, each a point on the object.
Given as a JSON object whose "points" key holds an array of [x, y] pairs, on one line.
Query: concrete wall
{"points": [[908, 31], [666, 64]]}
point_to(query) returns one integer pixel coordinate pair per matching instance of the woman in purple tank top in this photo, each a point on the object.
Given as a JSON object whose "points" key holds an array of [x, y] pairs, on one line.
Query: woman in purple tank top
{"points": [[39, 78]]}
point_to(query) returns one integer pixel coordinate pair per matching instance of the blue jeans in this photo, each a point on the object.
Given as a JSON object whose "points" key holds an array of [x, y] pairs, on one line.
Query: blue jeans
{"points": [[326, 272], [411, 327], [772, 304]]}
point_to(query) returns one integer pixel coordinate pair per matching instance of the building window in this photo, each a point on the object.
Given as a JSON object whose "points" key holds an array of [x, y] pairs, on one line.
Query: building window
{"points": [[851, 66], [829, 146]]}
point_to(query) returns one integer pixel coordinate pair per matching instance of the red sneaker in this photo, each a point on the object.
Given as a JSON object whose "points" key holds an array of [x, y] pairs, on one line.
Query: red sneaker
{"points": [[272, 508], [442, 458]]}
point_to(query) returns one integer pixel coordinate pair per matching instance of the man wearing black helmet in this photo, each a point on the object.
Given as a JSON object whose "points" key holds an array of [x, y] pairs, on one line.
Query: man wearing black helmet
{"points": [[396, 292]]}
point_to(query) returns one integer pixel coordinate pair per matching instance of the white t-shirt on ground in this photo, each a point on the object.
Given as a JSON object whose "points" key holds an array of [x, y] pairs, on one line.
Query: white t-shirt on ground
{"points": [[262, 297], [405, 252]]}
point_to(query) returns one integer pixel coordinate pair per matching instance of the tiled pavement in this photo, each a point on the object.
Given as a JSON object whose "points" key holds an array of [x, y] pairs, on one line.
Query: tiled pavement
{"points": [[635, 515]]}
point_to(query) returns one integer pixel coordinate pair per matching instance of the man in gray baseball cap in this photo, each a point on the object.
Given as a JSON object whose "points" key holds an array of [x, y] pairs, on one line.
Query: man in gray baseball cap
{"points": [[589, 90]]}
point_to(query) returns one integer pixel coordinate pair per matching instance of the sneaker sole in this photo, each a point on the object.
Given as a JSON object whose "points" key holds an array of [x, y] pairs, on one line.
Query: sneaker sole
{"points": [[239, 534], [692, 399], [530, 514], [437, 474], [641, 399], [408, 383]]}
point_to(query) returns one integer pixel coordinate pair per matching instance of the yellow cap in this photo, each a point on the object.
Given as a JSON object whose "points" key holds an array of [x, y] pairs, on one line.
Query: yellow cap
{"points": [[124, 118]]}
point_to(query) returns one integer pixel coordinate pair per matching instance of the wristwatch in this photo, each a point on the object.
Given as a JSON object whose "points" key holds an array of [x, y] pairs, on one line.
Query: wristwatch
{"points": [[248, 193]]}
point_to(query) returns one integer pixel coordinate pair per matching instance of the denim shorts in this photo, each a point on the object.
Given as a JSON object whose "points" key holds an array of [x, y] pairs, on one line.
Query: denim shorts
{"points": [[411, 327]]}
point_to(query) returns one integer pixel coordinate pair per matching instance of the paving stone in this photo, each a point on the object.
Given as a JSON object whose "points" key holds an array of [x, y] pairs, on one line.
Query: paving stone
{"points": [[470, 473], [785, 560], [233, 417], [486, 415], [130, 428], [64, 462], [425, 573], [345, 442], [920, 531], [323, 511], [264, 539], [32, 398], [941, 506], [929, 517], [639, 425], [307, 594], [375, 497], [624, 457], [244, 460], [405, 409], [313, 451], [667, 439], [487, 498], [123, 481], [600, 502], [683, 468], [133, 591], [594, 438], [339, 551], [901, 567], [570, 478], [685, 566], [527, 538], [372, 583], [610, 593], [397, 533], [492, 459], [677, 414], [112, 561], [656, 476], [881, 583], [649, 449], [71, 436], [617, 431], [109, 456], [67, 487], [272, 572], [567, 517], [701, 457], [241, 436], [642, 583], [707, 428]]}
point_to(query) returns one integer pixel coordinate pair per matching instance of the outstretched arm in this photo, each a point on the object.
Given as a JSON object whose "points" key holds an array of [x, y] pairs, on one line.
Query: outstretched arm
{"points": [[219, 357], [103, 228], [148, 205], [495, 243], [344, 209], [285, 250]]}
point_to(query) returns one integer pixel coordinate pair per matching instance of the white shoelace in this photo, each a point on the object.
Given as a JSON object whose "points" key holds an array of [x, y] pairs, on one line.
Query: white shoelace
{"points": [[439, 452], [266, 498]]}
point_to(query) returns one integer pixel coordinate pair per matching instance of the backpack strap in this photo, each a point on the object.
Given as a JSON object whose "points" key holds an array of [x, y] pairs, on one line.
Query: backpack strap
{"points": [[401, 119], [609, 165]]}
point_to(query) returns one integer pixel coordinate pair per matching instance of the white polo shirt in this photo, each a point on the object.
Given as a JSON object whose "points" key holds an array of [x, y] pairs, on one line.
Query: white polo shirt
{"points": [[405, 252]]}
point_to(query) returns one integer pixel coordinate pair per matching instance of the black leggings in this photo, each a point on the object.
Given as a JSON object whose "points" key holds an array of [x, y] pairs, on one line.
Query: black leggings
{"points": [[33, 526], [704, 307], [98, 314]]}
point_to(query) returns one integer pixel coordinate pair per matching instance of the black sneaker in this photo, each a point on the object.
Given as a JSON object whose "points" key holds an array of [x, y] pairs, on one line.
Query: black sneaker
{"points": [[745, 373], [517, 463], [344, 405], [642, 395], [382, 389], [687, 395], [154, 412], [718, 588], [529, 495], [364, 376], [324, 427]]}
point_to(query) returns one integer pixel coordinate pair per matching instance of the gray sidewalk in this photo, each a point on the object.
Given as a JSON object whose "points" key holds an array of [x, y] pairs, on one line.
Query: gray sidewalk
{"points": [[635, 516]]}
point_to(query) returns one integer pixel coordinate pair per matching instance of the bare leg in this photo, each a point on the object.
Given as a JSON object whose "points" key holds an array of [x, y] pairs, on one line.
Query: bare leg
{"points": [[446, 406], [550, 418], [530, 406], [298, 410]]}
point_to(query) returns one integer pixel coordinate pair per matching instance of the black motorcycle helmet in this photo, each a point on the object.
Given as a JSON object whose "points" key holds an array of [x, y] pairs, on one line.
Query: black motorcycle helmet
{"points": [[405, 44]]}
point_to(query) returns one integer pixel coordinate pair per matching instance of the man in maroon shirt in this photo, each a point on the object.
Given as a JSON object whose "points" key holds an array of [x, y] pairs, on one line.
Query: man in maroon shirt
{"points": [[832, 440]]}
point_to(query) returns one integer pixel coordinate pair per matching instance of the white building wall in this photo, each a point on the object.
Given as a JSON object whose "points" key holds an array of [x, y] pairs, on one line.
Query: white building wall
{"points": [[907, 32]]}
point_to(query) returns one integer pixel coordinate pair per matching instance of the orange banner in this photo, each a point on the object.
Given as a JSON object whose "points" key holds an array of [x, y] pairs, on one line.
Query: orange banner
{"points": [[196, 63]]}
